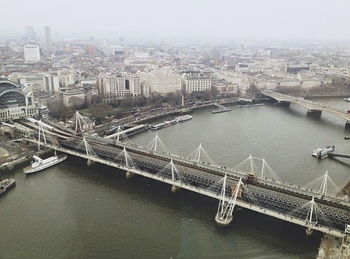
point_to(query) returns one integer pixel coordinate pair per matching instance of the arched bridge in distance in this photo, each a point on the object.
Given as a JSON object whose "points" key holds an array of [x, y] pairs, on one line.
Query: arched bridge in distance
{"points": [[314, 108]]}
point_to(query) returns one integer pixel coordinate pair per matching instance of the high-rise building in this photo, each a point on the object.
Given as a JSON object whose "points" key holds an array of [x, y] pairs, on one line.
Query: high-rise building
{"points": [[48, 38], [30, 35], [31, 53]]}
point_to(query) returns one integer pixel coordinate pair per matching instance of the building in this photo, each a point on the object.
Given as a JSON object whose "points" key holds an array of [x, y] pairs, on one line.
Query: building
{"points": [[35, 82], [295, 69], [48, 38], [113, 86], [30, 34], [66, 77], [73, 97], [162, 81], [194, 81], [14, 104], [31, 53]]}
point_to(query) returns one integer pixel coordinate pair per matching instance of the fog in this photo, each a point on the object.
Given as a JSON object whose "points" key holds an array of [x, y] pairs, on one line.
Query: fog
{"points": [[196, 19]]}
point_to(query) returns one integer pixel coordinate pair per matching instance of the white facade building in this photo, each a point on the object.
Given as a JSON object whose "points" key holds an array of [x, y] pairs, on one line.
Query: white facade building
{"points": [[162, 81], [113, 86], [66, 77], [31, 53], [197, 81]]}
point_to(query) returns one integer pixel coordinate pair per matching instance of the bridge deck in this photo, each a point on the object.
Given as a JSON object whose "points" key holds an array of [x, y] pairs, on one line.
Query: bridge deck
{"points": [[310, 105]]}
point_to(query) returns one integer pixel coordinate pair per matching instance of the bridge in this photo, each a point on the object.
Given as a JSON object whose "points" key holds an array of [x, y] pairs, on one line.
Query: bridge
{"points": [[314, 108], [249, 189]]}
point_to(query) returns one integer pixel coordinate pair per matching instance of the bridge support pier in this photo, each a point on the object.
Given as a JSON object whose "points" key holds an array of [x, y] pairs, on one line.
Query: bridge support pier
{"points": [[175, 189], [284, 103], [129, 174], [347, 125], [314, 113], [89, 162], [309, 231]]}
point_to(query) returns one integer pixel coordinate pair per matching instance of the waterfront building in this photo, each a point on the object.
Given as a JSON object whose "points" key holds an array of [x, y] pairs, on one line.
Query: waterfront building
{"points": [[113, 86], [31, 53], [14, 103], [194, 81], [162, 81]]}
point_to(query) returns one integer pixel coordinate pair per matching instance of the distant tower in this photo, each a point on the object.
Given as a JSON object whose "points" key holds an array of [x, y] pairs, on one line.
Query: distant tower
{"points": [[48, 38], [30, 35]]}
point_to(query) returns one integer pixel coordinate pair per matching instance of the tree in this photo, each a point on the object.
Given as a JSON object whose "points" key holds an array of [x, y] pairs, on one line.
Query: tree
{"points": [[58, 110]]}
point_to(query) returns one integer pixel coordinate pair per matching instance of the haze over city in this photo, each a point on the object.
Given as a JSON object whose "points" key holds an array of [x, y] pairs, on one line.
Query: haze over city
{"points": [[175, 129], [182, 19]]}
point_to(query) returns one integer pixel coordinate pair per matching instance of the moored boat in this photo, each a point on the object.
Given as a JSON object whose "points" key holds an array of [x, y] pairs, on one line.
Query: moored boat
{"points": [[41, 164], [164, 124], [184, 118]]}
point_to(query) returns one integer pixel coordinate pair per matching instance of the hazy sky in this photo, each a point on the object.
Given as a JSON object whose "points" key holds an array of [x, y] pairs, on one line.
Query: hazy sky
{"points": [[202, 19]]}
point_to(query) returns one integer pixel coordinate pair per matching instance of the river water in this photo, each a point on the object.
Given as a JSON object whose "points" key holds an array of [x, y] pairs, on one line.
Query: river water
{"points": [[75, 211]]}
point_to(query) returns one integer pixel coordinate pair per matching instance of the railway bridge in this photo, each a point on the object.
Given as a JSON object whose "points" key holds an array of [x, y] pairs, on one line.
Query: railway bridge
{"points": [[250, 189]]}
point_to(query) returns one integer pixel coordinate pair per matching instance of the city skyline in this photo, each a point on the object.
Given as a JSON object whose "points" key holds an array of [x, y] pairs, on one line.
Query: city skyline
{"points": [[196, 20]]}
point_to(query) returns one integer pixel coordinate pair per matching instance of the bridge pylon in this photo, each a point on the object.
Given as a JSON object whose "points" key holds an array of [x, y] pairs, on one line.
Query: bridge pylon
{"points": [[78, 122], [129, 163], [41, 133], [225, 209], [311, 217]]}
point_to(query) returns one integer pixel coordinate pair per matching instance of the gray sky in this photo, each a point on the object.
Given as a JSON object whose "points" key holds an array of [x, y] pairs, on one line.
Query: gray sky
{"points": [[193, 19]]}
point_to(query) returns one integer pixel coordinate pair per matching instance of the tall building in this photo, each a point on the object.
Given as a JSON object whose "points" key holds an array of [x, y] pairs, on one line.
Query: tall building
{"points": [[194, 81], [48, 38], [30, 35], [113, 87], [31, 53]]}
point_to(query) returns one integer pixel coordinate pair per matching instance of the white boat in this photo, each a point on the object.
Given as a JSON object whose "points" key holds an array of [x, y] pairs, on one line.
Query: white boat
{"points": [[41, 164], [347, 99], [322, 153], [184, 118]]}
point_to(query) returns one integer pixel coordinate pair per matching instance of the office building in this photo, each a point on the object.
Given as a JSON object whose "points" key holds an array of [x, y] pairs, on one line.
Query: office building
{"points": [[194, 81], [31, 53], [113, 86]]}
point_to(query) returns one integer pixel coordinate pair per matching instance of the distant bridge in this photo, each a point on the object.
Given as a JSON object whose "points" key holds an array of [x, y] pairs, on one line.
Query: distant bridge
{"points": [[315, 210], [314, 108]]}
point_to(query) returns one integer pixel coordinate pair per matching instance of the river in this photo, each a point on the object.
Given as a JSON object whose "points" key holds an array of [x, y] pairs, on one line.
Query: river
{"points": [[75, 211]]}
